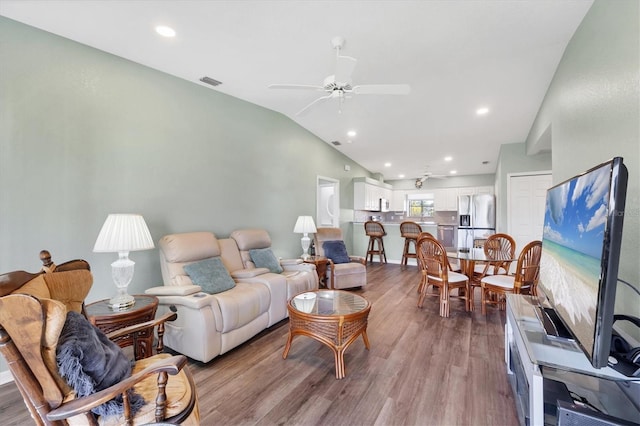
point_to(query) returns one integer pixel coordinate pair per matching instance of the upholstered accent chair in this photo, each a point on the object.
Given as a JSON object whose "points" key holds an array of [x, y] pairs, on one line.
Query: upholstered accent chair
{"points": [[344, 271], [33, 324]]}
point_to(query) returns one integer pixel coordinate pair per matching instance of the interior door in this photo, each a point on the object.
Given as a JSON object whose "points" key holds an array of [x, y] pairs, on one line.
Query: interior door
{"points": [[526, 203], [328, 202]]}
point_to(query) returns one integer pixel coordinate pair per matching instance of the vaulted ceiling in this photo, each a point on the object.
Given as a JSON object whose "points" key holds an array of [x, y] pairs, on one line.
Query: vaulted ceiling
{"points": [[457, 56]]}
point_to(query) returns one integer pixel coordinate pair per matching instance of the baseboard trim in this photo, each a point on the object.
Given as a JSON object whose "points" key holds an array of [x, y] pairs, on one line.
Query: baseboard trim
{"points": [[5, 377]]}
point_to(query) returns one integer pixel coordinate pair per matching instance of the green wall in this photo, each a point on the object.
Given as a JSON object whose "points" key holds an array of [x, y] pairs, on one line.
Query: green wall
{"points": [[593, 110], [84, 133]]}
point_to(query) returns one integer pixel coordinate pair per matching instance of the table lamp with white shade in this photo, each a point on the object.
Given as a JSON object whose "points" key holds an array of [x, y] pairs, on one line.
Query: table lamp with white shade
{"points": [[305, 226], [122, 233]]}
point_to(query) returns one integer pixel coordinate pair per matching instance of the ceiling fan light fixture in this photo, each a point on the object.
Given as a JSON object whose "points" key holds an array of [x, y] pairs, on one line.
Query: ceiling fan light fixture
{"points": [[339, 85]]}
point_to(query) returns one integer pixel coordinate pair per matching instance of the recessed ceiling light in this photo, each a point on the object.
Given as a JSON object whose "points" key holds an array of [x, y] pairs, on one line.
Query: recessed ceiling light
{"points": [[482, 111], [351, 133], [387, 164], [401, 176], [453, 172], [165, 31], [448, 158]]}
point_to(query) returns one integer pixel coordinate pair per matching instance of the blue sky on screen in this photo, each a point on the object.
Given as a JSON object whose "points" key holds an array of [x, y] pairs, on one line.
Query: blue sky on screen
{"points": [[576, 212]]}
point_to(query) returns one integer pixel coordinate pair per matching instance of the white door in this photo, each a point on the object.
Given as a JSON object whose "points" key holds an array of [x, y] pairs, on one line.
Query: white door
{"points": [[328, 203], [526, 202]]}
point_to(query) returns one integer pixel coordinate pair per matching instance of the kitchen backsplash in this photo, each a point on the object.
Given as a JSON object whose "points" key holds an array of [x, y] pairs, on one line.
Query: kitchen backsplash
{"points": [[442, 217]]}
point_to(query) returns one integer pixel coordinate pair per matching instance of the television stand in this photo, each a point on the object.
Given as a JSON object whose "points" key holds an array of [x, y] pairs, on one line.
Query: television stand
{"points": [[535, 362], [552, 323]]}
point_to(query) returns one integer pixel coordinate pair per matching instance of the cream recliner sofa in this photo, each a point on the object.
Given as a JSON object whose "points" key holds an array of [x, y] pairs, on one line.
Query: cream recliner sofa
{"points": [[209, 325], [297, 273]]}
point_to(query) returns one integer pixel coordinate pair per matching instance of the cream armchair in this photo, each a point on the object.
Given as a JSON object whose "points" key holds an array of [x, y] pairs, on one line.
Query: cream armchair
{"points": [[300, 276], [351, 271]]}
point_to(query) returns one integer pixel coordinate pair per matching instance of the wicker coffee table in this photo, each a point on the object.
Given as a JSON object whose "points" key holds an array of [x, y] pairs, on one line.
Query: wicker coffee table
{"points": [[333, 317]]}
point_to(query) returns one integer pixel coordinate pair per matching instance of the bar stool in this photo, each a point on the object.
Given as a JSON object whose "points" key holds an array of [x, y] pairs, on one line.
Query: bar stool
{"points": [[410, 232], [375, 231]]}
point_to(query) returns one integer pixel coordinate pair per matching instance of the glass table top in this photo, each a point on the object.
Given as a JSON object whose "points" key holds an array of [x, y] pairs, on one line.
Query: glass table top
{"points": [[478, 254], [329, 302]]}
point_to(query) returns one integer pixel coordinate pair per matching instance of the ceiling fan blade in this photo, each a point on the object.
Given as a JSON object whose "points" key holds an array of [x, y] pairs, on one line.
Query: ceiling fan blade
{"points": [[295, 86], [321, 99], [382, 89], [344, 68]]}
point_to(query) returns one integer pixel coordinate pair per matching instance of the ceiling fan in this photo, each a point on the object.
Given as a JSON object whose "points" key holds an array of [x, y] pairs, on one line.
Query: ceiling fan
{"points": [[425, 176], [339, 85]]}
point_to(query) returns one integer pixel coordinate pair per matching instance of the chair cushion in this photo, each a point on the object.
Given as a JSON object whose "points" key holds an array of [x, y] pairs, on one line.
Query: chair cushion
{"points": [[264, 258], [504, 281], [211, 275], [336, 251], [90, 362]]}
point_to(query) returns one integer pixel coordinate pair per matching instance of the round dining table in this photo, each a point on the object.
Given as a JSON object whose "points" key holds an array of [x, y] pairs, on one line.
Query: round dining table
{"points": [[468, 259]]}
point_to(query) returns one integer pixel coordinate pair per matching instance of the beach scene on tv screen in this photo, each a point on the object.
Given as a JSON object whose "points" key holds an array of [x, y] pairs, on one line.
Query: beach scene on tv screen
{"points": [[574, 225]]}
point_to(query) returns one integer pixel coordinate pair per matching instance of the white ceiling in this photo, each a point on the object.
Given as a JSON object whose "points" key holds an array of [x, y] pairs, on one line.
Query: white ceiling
{"points": [[457, 56]]}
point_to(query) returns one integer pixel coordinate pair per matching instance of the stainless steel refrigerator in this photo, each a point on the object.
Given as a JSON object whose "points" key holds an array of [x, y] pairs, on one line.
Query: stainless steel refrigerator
{"points": [[476, 218]]}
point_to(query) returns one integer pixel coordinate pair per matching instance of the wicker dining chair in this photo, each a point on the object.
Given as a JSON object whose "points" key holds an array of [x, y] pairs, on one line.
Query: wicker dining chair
{"points": [[434, 266], [496, 246], [525, 279]]}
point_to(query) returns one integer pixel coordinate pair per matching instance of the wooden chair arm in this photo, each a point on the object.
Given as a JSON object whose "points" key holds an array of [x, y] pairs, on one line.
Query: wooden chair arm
{"points": [[171, 365], [170, 316]]}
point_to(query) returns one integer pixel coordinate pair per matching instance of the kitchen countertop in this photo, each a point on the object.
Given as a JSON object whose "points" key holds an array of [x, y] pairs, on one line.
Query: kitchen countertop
{"points": [[420, 223]]}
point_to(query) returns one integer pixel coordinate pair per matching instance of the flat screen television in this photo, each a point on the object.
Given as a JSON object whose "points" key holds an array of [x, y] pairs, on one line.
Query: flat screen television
{"points": [[580, 254]]}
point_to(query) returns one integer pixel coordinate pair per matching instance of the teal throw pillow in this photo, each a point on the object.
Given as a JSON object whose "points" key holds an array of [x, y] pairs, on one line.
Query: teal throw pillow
{"points": [[336, 251], [211, 275], [264, 258]]}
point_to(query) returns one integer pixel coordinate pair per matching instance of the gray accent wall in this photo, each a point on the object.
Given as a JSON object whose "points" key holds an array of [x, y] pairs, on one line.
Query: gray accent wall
{"points": [[84, 133], [591, 113]]}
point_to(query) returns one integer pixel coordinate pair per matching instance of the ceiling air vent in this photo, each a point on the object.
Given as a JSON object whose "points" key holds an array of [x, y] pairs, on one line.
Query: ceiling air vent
{"points": [[336, 143], [210, 81]]}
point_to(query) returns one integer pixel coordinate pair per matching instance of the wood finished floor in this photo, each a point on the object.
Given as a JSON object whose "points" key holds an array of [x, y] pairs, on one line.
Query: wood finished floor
{"points": [[421, 370]]}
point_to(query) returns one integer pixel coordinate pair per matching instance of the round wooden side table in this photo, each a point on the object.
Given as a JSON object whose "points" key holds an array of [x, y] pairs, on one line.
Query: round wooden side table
{"points": [[107, 320], [321, 263]]}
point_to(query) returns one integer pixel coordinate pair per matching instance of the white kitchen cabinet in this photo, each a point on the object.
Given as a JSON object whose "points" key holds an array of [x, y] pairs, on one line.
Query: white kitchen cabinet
{"points": [[399, 200], [366, 196], [473, 190], [484, 190], [445, 199]]}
